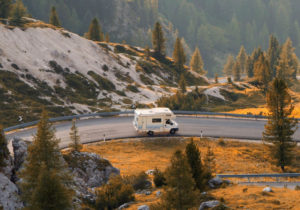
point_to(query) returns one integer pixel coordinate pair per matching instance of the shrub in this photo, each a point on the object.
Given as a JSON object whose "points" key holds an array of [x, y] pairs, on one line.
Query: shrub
{"points": [[297, 187], [221, 142], [102, 82], [114, 194], [229, 80], [159, 178], [146, 80], [56, 67], [105, 67], [138, 182], [132, 88]]}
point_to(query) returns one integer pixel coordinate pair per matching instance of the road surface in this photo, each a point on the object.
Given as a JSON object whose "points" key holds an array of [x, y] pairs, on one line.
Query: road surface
{"points": [[95, 129]]}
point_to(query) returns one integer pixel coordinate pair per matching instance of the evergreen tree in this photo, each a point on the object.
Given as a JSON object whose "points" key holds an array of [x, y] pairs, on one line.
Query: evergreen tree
{"points": [[75, 138], [280, 127], [251, 61], [262, 72], [242, 58], [227, 70], [179, 55], [5, 6], [209, 162], [54, 20], [158, 40], [95, 32], [43, 151], [196, 63], [147, 52], [236, 70], [194, 159], [50, 193], [18, 11], [180, 193], [216, 78], [182, 84], [273, 54], [4, 153]]}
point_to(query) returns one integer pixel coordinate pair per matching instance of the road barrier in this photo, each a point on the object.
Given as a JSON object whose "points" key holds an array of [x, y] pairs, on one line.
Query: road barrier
{"points": [[111, 114], [258, 175]]}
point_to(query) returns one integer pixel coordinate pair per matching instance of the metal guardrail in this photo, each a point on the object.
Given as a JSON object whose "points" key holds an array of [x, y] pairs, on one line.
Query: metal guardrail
{"points": [[258, 175], [109, 114]]}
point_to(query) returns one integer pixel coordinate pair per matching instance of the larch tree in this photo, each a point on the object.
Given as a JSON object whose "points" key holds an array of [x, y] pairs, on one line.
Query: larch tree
{"points": [[227, 70], [75, 138], [280, 127], [44, 152], [262, 72], [180, 191], [158, 40], [236, 71], [196, 63], [182, 84], [242, 58], [17, 13], [95, 32], [54, 20], [273, 54], [4, 153], [209, 162], [5, 6], [179, 55], [194, 159]]}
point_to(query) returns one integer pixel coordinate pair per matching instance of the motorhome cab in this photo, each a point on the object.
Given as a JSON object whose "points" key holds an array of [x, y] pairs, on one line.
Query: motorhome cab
{"points": [[155, 120]]}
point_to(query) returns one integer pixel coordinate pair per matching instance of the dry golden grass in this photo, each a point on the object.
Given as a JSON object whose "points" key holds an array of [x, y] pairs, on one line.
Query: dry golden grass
{"points": [[251, 197]]}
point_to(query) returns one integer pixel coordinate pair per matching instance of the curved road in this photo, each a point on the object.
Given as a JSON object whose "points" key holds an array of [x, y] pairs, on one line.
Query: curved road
{"points": [[94, 129]]}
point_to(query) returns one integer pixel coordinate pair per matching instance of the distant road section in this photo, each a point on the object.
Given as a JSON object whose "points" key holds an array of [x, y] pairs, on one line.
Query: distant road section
{"points": [[96, 129]]}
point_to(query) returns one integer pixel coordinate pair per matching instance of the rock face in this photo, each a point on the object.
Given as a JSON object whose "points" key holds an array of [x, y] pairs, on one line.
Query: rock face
{"points": [[8, 194], [20, 152], [143, 207], [8, 169], [209, 204]]}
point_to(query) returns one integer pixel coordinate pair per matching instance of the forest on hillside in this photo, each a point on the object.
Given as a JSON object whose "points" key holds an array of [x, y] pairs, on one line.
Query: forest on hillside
{"points": [[217, 27]]}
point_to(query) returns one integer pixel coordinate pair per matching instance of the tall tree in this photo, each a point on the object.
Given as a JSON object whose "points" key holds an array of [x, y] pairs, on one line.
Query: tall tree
{"points": [[280, 127], [196, 63], [17, 13], [209, 162], [54, 20], [180, 193], [158, 40], [236, 70], [95, 32], [179, 55], [4, 153], [251, 61], [262, 72], [273, 54], [227, 70], [194, 159], [5, 6], [242, 58], [182, 84], [43, 151], [75, 138]]}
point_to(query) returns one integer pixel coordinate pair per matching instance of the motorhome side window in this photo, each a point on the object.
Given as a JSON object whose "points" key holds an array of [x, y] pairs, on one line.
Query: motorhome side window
{"points": [[156, 120]]}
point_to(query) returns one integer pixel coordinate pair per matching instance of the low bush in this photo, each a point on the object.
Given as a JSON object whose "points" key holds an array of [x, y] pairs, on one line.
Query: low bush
{"points": [[159, 178], [132, 88], [138, 182], [103, 83], [221, 142]]}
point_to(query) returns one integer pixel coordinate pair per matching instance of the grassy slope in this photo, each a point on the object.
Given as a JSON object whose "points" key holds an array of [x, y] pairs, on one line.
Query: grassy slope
{"points": [[133, 156]]}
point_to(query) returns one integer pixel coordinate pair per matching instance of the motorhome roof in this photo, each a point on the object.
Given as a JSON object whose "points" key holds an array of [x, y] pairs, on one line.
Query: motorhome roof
{"points": [[153, 111]]}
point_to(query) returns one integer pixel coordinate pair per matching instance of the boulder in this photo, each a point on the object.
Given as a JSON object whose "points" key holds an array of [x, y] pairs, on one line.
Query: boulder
{"points": [[267, 189], [9, 194], [20, 152], [209, 204], [125, 205], [9, 167], [143, 207], [215, 182], [158, 193]]}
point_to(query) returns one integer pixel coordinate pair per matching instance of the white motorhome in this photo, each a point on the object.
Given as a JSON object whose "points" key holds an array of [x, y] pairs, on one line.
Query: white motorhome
{"points": [[155, 120]]}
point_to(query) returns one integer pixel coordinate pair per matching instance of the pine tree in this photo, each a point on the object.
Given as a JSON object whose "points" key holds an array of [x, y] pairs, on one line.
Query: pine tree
{"points": [[216, 78], [194, 159], [95, 32], [227, 70], [209, 162], [147, 52], [44, 150], [262, 72], [251, 61], [182, 84], [50, 193], [179, 55], [242, 58], [54, 20], [273, 54], [4, 153], [236, 70], [180, 193], [18, 11], [75, 138], [196, 63], [5, 6], [158, 40], [280, 127]]}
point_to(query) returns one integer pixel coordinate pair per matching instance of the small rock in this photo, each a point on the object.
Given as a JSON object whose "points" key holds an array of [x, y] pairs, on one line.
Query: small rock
{"points": [[209, 204], [204, 193], [143, 207], [150, 172], [215, 182], [124, 206], [267, 189], [148, 193], [158, 193]]}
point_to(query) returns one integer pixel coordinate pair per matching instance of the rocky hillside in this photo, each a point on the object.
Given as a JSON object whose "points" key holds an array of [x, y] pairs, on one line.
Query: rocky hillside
{"points": [[68, 74]]}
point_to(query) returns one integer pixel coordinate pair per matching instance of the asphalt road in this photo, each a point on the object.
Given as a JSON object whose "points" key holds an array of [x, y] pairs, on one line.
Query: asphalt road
{"points": [[94, 129]]}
